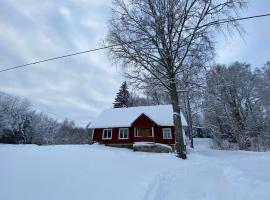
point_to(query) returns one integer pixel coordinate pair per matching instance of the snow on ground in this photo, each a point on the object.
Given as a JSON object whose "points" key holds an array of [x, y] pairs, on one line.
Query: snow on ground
{"points": [[151, 144], [81, 172]]}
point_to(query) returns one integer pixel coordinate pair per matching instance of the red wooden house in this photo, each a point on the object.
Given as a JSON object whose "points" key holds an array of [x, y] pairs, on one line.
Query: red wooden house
{"points": [[124, 126]]}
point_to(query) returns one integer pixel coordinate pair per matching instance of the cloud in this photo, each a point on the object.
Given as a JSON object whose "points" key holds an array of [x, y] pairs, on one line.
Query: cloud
{"points": [[253, 48], [78, 87]]}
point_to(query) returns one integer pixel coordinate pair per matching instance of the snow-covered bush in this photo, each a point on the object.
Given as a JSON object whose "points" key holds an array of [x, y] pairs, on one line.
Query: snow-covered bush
{"points": [[20, 123], [225, 145]]}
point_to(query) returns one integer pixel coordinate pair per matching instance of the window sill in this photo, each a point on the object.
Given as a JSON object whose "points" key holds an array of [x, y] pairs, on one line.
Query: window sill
{"points": [[144, 137]]}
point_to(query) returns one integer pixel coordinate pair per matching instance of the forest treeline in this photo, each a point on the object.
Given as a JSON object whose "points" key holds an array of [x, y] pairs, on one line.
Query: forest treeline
{"points": [[230, 103], [20, 123]]}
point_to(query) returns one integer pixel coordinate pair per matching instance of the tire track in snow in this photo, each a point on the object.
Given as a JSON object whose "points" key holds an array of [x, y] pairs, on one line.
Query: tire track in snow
{"points": [[158, 188]]}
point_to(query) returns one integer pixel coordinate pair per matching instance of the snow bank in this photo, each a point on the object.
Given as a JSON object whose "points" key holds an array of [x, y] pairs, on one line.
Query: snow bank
{"points": [[151, 147], [150, 144], [203, 143], [97, 172]]}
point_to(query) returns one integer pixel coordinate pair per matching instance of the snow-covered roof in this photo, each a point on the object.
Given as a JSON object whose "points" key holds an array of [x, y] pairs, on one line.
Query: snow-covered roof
{"points": [[162, 115]]}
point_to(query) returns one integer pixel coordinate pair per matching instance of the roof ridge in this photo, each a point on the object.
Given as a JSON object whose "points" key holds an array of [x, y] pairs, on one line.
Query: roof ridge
{"points": [[121, 117]]}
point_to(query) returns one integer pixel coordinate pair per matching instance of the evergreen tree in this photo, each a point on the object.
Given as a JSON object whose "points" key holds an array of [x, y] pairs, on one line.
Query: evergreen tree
{"points": [[122, 97]]}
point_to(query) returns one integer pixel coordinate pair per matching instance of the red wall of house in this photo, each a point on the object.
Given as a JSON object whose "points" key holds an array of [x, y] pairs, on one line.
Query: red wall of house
{"points": [[159, 135], [142, 122], [115, 134]]}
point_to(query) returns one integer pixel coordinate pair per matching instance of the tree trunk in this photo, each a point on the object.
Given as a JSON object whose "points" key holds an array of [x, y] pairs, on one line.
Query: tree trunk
{"points": [[240, 128], [179, 140], [190, 128]]}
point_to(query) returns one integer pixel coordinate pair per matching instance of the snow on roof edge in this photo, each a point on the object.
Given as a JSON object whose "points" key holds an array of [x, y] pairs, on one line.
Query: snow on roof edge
{"points": [[162, 115]]}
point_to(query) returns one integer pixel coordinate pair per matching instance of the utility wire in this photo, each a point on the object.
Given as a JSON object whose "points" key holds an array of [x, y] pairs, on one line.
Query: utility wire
{"points": [[65, 56], [51, 113], [62, 117], [222, 21], [133, 41]]}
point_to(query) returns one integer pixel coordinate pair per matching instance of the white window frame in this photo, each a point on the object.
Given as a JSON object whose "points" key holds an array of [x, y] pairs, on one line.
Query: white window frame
{"points": [[120, 134], [104, 132], [163, 131], [92, 135], [136, 132]]}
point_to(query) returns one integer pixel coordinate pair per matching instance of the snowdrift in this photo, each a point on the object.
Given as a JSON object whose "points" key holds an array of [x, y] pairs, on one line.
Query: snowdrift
{"points": [[86, 172]]}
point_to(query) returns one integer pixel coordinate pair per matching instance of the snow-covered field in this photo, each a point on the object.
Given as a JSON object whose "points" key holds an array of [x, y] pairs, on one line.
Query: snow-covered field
{"points": [[29, 172]]}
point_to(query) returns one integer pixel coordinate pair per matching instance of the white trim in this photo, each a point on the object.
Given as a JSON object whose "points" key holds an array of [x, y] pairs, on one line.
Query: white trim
{"points": [[136, 132], [103, 134], [92, 134], [163, 129], [127, 133]]}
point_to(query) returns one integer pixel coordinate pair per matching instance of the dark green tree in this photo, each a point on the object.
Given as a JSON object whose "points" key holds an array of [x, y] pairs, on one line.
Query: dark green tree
{"points": [[122, 97]]}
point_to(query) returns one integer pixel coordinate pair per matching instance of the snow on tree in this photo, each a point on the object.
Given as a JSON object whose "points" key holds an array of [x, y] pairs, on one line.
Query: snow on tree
{"points": [[156, 40], [20, 123], [122, 97], [232, 106], [263, 87]]}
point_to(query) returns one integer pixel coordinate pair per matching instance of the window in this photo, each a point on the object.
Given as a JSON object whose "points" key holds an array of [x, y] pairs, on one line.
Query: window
{"points": [[107, 134], [123, 133], [144, 132], [167, 134]]}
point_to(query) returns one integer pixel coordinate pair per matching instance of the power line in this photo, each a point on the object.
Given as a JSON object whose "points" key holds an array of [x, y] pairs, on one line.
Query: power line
{"points": [[237, 19], [64, 56], [51, 113], [62, 117], [110, 46]]}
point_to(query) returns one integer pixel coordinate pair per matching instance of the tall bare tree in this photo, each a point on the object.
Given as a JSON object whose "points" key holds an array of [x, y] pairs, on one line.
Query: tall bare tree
{"points": [[158, 38], [232, 104]]}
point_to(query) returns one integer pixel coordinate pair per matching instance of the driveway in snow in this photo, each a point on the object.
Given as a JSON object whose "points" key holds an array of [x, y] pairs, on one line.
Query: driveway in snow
{"points": [[29, 172]]}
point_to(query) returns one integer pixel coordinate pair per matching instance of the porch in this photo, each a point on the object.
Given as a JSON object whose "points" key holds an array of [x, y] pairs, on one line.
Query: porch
{"points": [[144, 134]]}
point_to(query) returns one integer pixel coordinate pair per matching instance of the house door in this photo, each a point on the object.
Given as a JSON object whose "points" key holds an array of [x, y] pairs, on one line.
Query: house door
{"points": [[144, 132]]}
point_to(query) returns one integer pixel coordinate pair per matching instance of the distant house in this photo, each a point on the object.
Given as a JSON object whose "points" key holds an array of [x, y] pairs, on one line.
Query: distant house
{"points": [[124, 126]]}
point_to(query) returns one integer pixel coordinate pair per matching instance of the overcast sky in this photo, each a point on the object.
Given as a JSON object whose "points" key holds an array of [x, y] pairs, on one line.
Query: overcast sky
{"points": [[81, 87]]}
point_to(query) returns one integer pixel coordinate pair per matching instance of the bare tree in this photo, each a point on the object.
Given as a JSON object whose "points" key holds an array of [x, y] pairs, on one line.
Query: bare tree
{"points": [[192, 84], [234, 111], [158, 38]]}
